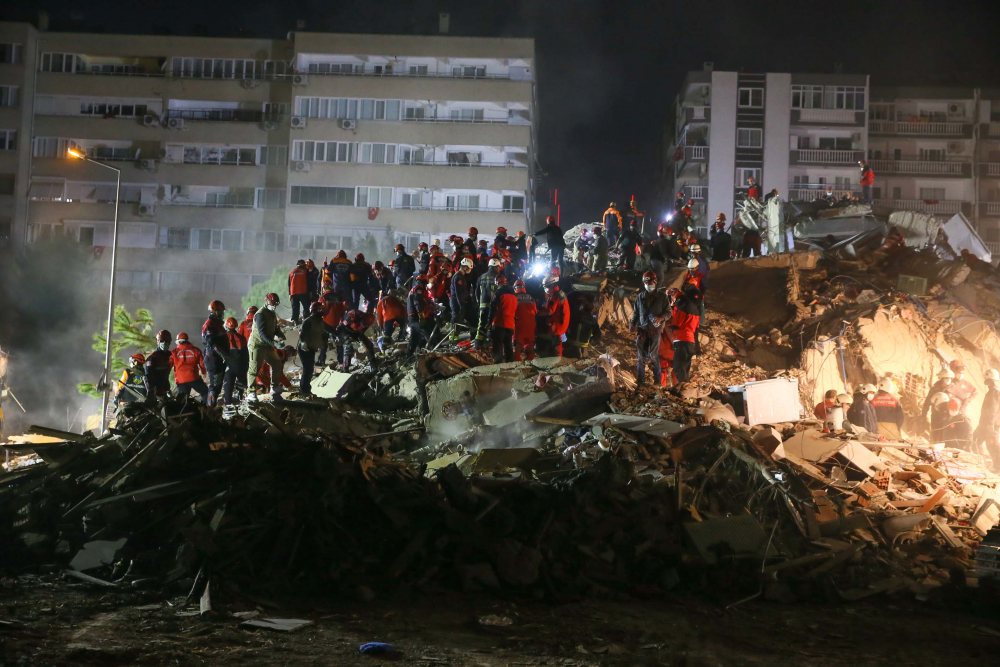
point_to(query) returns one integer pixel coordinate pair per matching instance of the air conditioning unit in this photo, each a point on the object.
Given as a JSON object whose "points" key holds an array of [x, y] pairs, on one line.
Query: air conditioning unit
{"points": [[302, 167], [298, 122], [176, 123], [147, 210], [956, 110], [300, 80], [955, 147], [150, 120], [272, 125], [348, 124], [148, 165], [249, 83]]}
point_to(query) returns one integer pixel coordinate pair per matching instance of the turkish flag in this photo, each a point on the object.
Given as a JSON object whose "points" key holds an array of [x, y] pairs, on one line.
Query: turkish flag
{"points": [[372, 212], [98, 251]]}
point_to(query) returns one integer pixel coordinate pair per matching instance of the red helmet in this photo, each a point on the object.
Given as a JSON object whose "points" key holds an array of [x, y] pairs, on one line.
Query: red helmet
{"points": [[483, 243], [231, 323], [956, 365], [360, 257], [473, 231], [341, 254], [139, 358], [272, 300], [435, 250], [501, 279], [680, 195], [310, 264], [163, 336], [422, 245], [550, 219], [182, 337], [502, 230], [378, 266], [216, 307], [400, 248], [649, 277], [422, 278], [672, 293], [316, 308], [251, 311], [519, 287], [690, 202]]}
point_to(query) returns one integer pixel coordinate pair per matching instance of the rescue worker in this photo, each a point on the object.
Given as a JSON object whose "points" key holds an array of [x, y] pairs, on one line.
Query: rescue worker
{"points": [[961, 389], [236, 371], [500, 242], [627, 243], [311, 341], [189, 366], [943, 384], [246, 326], [503, 309], [648, 313], [666, 349], [956, 431], [582, 328], [361, 277], [471, 243], [340, 272], [612, 223], [720, 240], [263, 347], [132, 384], [390, 313], [298, 290], [424, 258], [887, 406], [485, 288], [685, 322], [753, 190], [519, 249], [439, 288], [216, 349], [553, 236], [158, 365], [403, 266], [862, 412], [989, 418], [524, 323], [313, 275], [829, 401], [867, 181], [463, 306], [265, 378], [352, 330], [599, 252], [751, 242], [554, 313], [420, 317], [580, 248], [382, 280], [333, 313], [678, 203]]}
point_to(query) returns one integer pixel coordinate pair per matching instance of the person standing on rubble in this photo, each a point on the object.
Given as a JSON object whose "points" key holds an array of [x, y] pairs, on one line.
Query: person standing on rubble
{"points": [[298, 290], [132, 384], [463, 306], [189, 366], [485, 288], [943, 384], [333, 312], [382, 280], [403, 266], [887, 406], [989, 418], [423, 258], [666, 349], [939, 415], [246, 326], [472, 242], [648, 316], [582, 327], [720, 240], [313, 276], [340, 271], [957, 431], [524, 323], [519, 249], [599, 252], [961, 389], [234, 371], [751, 242], [553, 236], [862, 412], [684, 325], [389, 314], [263, 347], [829, 401], [612, 223], [158, 365], [867, 181], [503, 309], [626, 243], [311, 341], [552, 320], [420, 316], [361, 277], [216, 349]]}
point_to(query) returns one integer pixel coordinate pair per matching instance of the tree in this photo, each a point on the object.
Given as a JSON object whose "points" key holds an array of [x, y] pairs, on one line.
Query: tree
{"points": [[277, 283], [130, 331]]}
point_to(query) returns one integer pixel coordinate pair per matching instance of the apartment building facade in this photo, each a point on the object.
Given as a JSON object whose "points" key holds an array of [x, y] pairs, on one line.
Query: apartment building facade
{"points": [[240, 155], [797, 133]]}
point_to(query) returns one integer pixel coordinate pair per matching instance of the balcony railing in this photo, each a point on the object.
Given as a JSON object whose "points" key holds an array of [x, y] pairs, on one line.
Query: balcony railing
{"points": [[466, 209], [695, 153], [820, 156], [505, 119], [456, 163], [922, 167], [989, 208], [993, 247], [827, 115], [697, 192], [916, 128], [990, 168], [237, 115], [994, 130], [811, 191], [414, 75], [924, 206]]}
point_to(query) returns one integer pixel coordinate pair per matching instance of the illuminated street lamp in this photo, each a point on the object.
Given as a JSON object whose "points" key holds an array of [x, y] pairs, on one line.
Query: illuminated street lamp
{"points": [[80, 155]]}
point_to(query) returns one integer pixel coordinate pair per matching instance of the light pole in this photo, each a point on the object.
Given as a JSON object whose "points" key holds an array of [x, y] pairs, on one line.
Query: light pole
{"points": [[80, 155]]}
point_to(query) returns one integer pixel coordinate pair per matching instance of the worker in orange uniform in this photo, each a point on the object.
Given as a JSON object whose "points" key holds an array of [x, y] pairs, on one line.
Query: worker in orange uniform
{"points": [[683, 327], [298, 290], [867, 181], [246, 326], [524, 323], [555, 318], [666, 351], [390, 313], [333, 312], [503, 309], [241, 357], [189, 366], [612, 223]]}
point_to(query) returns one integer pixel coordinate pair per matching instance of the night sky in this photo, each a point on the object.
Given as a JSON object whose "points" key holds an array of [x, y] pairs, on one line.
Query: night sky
{"points": [[607, 70]]}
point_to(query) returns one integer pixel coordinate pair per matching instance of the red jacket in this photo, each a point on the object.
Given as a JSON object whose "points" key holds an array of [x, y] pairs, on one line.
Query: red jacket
{"points": [[236, 340], [504, 308], [439, 287], [524, 318], [389, 308], [753, 192], [187, 361], [694, 279], [558, 305], [867, 177], [666, 351], [245, 328], [334, 313], [821, 408], [685, 321], [298, 281]]}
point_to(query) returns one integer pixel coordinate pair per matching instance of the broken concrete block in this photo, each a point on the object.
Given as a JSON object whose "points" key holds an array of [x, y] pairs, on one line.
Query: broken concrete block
{"points": [[768, 438]]}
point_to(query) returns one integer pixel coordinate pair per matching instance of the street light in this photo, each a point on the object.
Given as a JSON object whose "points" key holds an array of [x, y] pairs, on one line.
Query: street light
{"points": [[80, 155]]}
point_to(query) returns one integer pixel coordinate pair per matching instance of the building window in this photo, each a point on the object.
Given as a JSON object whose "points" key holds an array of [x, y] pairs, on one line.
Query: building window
{"points": [[274, 156], [6, 184], [932, 154], [849, 97], [374, 197], [8, 96], [229, 68], [52, 147], [462, 202], [234, 198], [513, 204], [110, 153], [897, 192], [8, 140], [749, 137], [469, 72], [335, 68], [752, 98], [219, 155], [378, 153], [418, 70], [271, 199], [415, 113], [63, 62], [807, 97], [110, 109], [744, 173], [412, 200], [266, 241], [467, 115], [178, 238], [325, 151], [310, 195], [933, 194], [992, 233], [10, 54]]}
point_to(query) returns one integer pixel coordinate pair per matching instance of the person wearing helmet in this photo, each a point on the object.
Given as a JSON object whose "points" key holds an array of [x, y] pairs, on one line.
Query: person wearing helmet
{"points": [[945, 378], [403, 267], [189, 366], [580, 247], [822, 408], [753, 190], [500, 241], [524, 323], [246, 326], [939, 414], [599, 251], [987, 430], [423, 258], [263, 346], [503, 309], [956, 431], [553, 236], [390, 313], [582, 325], [961, 389], [340, 274], [298, 290], [648, 315], [862, 412], [158, 365], [132, 383], [552, 320], [485, 289], [888, 408], [463, 306], [720, 240], [311, 341], [867, 181], [612, 222], [360, 277], [217, 355], [333, 314], [352, 330], [420, 314], [685, 322], [518, 249], [236, 371], [627, 242]]}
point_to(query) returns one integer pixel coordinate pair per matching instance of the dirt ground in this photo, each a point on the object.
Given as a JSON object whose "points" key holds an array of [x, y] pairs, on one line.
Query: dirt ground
{"points": [[62, 624]]}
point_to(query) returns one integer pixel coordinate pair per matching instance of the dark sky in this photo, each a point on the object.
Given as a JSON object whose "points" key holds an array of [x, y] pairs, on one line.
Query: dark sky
{"points": [[608, 70]]}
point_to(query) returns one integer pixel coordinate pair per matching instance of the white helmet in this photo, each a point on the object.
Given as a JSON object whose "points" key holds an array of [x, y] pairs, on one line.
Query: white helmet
{"points": [[868, 388], [845, 398], [939, 398], [494, 262], [467, 261], [887, 385], [946, 373], [695, 248], [692, 263], [992, 374]]}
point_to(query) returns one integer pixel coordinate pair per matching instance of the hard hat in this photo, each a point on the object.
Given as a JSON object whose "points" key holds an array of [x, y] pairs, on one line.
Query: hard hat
{"points": [[501, 279], [946, 373], [692, 263], [956, 365], [482, 243], [502, 230], [182, 337], [844, 398], [272, 299], [360, 257], [400, 248], [721, 216], [467, 261], [549, 219], [649, 277], [868, 388], [301, 263], [672, 293], [251, 311], [520, 234], [992, 374], [216, 307], [378, 266], [612, 204], [310, 264], [887, 385], [341, 254], [422, 278], [473, 231], [519, 287], [315, 308], [690, 202], [695, 248], [494, 262], [138, 358], [939, 398], [595, 230], [953, 405], [422, 245], [231, 323], [550, 282]]}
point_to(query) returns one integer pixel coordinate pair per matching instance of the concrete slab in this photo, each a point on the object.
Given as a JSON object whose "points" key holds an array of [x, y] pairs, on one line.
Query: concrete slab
{"points": [[331, 383], [513, 409]]}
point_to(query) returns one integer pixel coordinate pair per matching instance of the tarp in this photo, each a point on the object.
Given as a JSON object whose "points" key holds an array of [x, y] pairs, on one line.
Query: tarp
{"points": [[962, 236]]}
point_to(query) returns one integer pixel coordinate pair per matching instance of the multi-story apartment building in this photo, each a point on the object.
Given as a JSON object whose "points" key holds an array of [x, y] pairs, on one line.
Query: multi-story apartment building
{"points": [[797, 133], [240, 155]]}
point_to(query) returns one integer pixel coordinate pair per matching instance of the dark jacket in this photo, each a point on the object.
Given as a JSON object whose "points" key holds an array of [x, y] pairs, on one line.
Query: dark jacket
{"points": [[403, 268], [647, 306], [486, 286], [424, 263], [311, 333], [989, 416], [553, 235], [418, 307], [721, 243], [861, 413], [265, 328], [361, 274], [888, 409], [461, 290], [159, 363]]}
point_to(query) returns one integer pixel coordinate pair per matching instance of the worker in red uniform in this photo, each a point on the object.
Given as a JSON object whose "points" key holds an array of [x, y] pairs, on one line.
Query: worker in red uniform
{"points": [[241, 357], [298, 289], [829, 401], [888, 410], [753, 190], [217, 355], [189, 366], [158, 365], [961, 389], [666, 351], [555, 319], [867, 181], [503, 309], [333, 313], [684, 323], [390, 313], [524, 323], [246, 326], [419, 316]]}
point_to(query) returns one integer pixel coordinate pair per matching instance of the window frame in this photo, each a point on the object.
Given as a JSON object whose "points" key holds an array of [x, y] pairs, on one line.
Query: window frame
{"points": [[753, 131], [751, 92]]}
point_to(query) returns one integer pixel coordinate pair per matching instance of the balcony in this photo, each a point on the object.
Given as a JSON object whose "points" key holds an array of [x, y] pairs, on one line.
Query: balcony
{"points": [[689, 155], [991, 208], [917, 167], [810, 191], [934, 207], [919, 128], [830, 157], [992, 130], [505, 119], [848, 116], [386, 71], [696, 114], [236, 115], [989, 169]]}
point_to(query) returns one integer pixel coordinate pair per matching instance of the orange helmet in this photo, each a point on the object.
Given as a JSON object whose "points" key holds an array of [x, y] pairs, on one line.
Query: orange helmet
{"points": [[138, 359], [473, 231], [502, 230], [272, 299], [400, 248], [360, 257], [231, 324], [182, 337], [251, 311], [162, 336], [216, 307], [519, 287]]}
